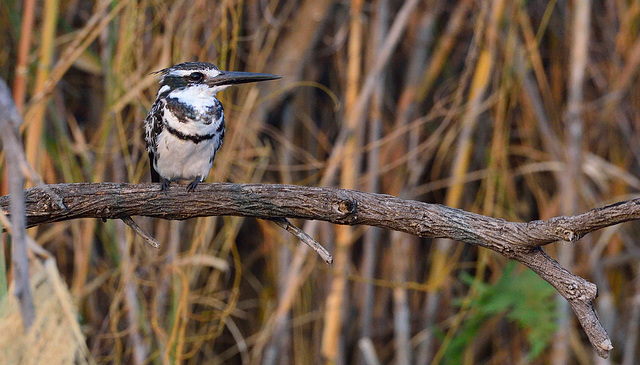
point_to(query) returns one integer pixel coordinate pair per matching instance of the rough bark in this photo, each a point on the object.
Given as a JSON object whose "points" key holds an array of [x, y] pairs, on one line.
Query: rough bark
{"points": [[516, 240]]}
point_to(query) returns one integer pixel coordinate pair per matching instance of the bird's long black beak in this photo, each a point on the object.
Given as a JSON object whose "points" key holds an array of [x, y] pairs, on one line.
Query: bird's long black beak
{"points": [[235, 77]]}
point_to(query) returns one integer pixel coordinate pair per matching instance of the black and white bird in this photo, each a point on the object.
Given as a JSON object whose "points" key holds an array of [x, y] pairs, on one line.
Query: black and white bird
{"points": [[185, 126]]}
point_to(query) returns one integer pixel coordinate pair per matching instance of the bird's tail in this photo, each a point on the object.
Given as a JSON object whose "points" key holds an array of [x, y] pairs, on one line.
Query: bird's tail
{"points": [[155, 177]]}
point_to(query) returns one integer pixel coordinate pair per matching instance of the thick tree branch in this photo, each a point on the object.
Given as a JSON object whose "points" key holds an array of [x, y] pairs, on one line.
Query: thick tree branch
{"points": [[517, 241]]}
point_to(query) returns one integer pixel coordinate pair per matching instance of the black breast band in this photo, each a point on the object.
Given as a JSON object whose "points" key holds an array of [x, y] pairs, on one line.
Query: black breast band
{"points": [[189, 137]]}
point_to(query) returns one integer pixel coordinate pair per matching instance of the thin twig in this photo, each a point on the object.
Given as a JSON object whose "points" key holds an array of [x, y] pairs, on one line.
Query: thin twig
{"points": [[31, 243], [308, 240], [136, 228]]}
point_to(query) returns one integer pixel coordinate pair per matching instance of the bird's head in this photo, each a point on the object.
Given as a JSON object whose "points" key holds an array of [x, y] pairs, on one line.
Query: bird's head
{"points": [[204, 79]]}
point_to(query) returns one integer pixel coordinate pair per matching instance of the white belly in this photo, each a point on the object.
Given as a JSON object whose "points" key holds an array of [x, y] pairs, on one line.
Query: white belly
{"points": [[179, 159]]}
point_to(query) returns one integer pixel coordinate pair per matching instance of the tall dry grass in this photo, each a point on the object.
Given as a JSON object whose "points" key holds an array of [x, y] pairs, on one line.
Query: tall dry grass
{"points": [[518, 110]]}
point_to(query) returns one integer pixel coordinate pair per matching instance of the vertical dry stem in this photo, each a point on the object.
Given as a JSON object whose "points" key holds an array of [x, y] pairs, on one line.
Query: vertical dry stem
{"points": [[570, 180], [9, 123]]}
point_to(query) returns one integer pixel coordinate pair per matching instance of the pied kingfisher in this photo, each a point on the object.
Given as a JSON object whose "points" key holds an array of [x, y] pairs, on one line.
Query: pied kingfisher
{"points": [[185, 126]]}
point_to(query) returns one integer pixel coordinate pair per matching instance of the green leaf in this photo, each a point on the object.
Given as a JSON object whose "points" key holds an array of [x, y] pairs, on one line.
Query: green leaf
{"points": [[521, 297]]}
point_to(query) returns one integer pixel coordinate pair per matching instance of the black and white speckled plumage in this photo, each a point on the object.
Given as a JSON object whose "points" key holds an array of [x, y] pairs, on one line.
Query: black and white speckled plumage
{"points": [[185, 126]]}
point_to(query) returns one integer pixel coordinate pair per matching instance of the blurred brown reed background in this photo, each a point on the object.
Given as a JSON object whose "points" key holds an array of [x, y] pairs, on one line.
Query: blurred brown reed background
{"points": [[521, 110]]}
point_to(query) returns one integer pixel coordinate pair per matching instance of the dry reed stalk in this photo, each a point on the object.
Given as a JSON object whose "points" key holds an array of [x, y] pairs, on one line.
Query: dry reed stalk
{"points": [[445, 44], [22, 60], [10, 123], [570, 182], [372, 235], [631, 337], [336, 298], [441, 255], [35, 116], [534, 58], [407, 110], [404, 245], [280, 343], [499, 149]]}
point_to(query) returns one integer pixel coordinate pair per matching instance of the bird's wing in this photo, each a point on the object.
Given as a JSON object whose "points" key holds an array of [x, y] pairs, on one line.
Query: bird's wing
{"points": [[153, 127]]}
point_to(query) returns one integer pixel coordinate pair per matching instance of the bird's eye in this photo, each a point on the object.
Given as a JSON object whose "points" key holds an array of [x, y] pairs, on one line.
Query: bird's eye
{"points": [[196, 76]]}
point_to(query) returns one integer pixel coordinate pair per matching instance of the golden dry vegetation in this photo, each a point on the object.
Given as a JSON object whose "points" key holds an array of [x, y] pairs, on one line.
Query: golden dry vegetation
{"points": [[514, 109]]}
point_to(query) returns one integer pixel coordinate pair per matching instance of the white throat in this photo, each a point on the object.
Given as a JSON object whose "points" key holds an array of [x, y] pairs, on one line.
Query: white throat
{"points": [[198, 96]]}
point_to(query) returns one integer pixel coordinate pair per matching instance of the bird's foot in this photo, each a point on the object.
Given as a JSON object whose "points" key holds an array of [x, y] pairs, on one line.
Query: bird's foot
{"points": [[165, 186], [192, 185]]}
